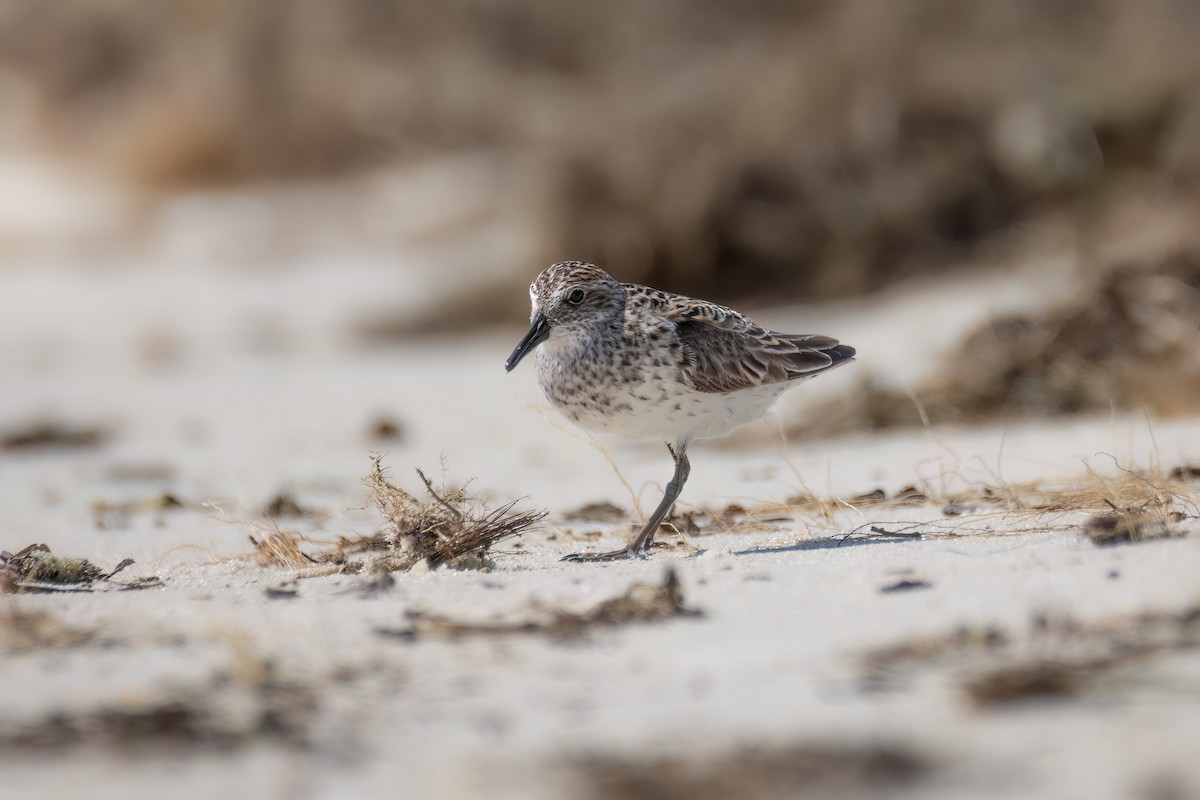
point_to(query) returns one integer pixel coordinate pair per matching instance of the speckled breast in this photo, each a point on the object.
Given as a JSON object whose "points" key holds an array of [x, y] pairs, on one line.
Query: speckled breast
{"points": [[647, 401]]}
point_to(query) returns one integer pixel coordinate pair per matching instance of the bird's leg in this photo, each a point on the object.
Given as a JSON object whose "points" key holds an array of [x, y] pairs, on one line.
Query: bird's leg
{"points": [[682, 469], [639, 546]]}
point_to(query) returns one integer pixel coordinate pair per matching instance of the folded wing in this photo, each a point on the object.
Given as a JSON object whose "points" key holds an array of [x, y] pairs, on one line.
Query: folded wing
{"points": [[724, 351]]}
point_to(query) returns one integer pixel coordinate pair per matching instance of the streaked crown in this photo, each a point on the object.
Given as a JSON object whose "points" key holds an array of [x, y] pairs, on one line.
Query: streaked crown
{"points": [[566, 273], [573, 286]]}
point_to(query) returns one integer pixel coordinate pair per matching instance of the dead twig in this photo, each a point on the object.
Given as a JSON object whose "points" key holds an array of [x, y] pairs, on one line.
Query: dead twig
{"points": [[453, 528], [454, 512]]}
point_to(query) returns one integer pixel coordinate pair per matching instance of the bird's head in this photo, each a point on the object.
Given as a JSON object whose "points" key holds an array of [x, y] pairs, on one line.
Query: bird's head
{"points": [[567, 299]]}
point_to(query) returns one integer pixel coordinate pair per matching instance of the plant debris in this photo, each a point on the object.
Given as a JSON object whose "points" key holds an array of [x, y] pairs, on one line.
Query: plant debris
{"points": [[996, 667], [23, 631], [868, 498], [285, 504], [1185, 472], [137, 472], [956, 508], [641, 603], [910, 496], [386, 429], [907, 496], [924, 649], [110, 516], [905, 585], [267, 707], [144, 582], [158, 502], [1127, 526], [910, 531], [1144, 504], [599, 511], [282, 549], [1128, 340], [283, 590], [376, 579], [36, 563], [1039, 680], [48, 434], [449, 528], [798, 771], [35, 568]]}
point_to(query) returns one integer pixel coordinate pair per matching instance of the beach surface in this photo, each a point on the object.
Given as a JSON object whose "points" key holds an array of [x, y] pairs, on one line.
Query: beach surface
{"points": [[915, 613]]}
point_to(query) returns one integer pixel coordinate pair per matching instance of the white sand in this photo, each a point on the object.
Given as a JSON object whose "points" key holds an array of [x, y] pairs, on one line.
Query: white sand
{"points": [[241, 382]]}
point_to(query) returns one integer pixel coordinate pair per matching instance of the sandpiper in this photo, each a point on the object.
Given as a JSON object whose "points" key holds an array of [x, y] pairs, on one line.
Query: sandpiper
{"points": [[644, 363]]}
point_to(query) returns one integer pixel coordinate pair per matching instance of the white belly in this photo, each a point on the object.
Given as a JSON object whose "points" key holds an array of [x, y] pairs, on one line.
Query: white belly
{"points": [[671, 412]]}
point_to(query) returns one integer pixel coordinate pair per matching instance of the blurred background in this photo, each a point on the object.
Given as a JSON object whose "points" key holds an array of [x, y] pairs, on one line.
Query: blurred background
{"points": [[244, 243], [404, 169]]}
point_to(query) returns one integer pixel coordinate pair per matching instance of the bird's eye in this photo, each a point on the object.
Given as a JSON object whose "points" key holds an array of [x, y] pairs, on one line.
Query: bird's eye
{"points": [[575, 297]]}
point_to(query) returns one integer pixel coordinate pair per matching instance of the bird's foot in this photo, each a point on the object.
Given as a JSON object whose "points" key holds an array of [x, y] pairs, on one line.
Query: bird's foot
{"points": [[616, 555]]}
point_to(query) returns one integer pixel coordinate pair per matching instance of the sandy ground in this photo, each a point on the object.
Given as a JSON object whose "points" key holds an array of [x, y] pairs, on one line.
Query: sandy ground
{"points": [[1000, 653]]}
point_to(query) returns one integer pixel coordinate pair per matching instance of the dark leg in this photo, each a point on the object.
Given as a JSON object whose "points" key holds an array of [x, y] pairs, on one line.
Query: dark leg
{"points": [[639, 546]]}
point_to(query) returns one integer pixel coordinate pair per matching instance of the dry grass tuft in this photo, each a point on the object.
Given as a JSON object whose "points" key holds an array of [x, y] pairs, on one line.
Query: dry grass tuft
{"points": [[1128, 505], [282, 549], [1148, 491], [448, 527], [1131, 507]]}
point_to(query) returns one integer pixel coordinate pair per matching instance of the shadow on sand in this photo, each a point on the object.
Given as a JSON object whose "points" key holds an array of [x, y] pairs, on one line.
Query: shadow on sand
{"points": [[830, 543]]}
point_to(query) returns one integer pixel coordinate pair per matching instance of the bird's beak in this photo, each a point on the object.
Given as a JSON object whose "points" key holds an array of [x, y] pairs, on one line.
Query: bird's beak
{"points": [[539, 331]]}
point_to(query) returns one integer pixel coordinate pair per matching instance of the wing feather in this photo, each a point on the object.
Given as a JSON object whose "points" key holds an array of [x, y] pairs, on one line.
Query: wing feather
{"points": [[724, 351]]}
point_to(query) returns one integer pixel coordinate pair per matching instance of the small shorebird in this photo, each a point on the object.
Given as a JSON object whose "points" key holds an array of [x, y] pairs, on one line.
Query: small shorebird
{"points": [[639, 362]]}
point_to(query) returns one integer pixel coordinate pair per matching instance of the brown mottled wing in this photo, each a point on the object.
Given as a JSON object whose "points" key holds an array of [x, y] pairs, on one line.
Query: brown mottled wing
{"points": [[724, 351]]}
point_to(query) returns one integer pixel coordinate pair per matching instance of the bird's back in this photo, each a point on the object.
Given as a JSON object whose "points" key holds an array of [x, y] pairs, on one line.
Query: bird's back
{"points": [[721, 350]]}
